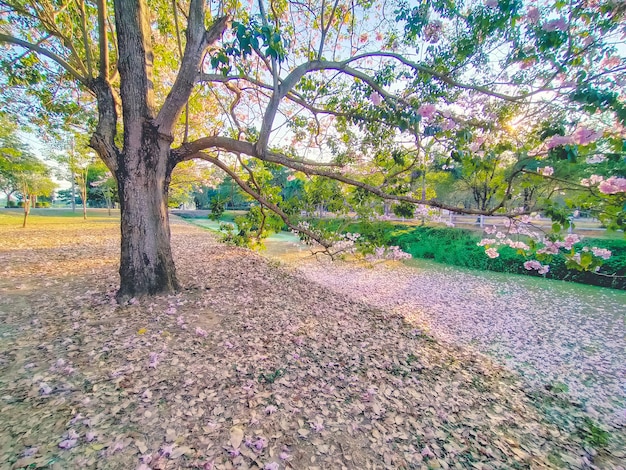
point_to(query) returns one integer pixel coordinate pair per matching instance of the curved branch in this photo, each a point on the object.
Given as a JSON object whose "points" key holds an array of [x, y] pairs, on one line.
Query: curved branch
{"points": [[273, 207], [187, 150], [319, 65], [45, 52], [192, 149]]}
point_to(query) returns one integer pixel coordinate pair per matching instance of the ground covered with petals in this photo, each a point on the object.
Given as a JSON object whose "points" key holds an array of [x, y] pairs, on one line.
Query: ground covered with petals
{"points": [[250, 366], [557, 335]]}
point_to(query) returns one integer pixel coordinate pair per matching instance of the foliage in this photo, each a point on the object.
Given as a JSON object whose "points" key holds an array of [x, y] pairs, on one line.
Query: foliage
{"points": [[370, 101], [460, 248]]}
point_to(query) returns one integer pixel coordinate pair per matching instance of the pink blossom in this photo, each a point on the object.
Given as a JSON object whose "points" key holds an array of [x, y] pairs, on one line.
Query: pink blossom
{"points": [[492, 253], [426, 110], [201, 332], [592, 180], [154, 360], [487, 241], [77, 418], [491, 3], [518, 245], [549, 249], [270, 409], [546, 171], [271, 466], [317, 426], [67, 443], [45, 389], [570, 241], [426, 452], [558, 140], [601, 252], [532, 264], [533, 15], [613, 185], [491, 230], [260, 444], [558, 24], [291, 178], [376, 98], [167, 450], [584, 136], [611, 62], [544, 269], [432, 31], [284, 456], [30, 451], [90, 436]]}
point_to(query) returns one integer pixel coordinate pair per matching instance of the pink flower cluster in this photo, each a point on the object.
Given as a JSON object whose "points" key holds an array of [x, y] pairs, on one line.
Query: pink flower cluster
{"points": [[601, 252], [533, 15], [592, 180], [432, 31], [613, 185], [596, 159], [546, 171], [492, 253], [582, 136], [559, 24], [552, 248], [376, 98], [536, 265], [426, 110]]}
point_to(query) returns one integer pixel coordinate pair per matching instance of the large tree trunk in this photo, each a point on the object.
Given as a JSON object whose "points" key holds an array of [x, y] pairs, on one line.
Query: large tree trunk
{"points": [[146, 265]]}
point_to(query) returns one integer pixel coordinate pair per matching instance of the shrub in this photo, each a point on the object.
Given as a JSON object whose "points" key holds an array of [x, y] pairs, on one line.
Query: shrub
{"points": [[459, 247]]}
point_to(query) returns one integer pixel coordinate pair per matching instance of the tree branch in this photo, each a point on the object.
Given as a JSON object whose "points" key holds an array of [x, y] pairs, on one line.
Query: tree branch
{"points": [[83, 27], [273, 207], [51, 55], [198, 39], [103, 40]]}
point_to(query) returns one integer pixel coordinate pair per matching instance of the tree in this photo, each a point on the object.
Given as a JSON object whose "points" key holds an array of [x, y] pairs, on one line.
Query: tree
{"points": [[10, 148], [32, 178], [341, 80], [187, 178], [78, 160]]}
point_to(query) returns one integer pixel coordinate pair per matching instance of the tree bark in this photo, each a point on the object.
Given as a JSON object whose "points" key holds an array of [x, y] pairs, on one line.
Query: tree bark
{"points": [[143, 176]]}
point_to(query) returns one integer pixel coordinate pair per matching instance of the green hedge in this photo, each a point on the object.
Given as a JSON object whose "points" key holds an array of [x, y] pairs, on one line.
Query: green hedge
{"points": [[458, 247]]}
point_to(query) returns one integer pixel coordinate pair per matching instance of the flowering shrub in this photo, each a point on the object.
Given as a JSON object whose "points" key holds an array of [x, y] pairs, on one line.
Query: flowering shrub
{"points": [[463, 248], [542, 247], [382, 253]]}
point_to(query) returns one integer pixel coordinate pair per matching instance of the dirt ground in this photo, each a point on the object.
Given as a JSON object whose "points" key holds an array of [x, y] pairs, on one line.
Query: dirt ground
{"points": [[250, 366]]}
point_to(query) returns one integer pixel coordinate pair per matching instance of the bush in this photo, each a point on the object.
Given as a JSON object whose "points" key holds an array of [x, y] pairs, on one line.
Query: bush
{"points": [[11, 204], [459, 247]]}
